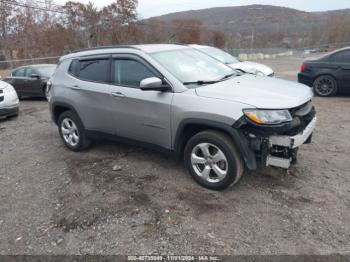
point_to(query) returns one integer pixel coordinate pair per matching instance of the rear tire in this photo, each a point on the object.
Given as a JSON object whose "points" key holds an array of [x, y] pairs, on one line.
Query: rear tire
{"points": [[213, 160], [325, 86], [72, 132]]}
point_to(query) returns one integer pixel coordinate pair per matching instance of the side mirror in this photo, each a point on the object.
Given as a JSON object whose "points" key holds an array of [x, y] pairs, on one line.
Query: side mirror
{"points": [[36, 76], [152, 84]]}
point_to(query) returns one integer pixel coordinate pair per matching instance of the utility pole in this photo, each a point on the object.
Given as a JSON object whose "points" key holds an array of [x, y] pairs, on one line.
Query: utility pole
{"points": [[252, 39]]}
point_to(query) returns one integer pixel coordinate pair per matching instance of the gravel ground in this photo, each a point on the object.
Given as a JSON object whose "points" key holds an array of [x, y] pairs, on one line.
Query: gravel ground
{"points": [[118, 199]]}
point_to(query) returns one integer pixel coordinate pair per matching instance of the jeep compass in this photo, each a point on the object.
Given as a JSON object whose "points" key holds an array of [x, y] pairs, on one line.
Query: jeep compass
{"points": [[178, 99]]}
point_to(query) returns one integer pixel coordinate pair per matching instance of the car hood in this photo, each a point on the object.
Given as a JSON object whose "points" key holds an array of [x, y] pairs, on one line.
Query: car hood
{"points": [[3, 84], [259, 92], [252, 67]]}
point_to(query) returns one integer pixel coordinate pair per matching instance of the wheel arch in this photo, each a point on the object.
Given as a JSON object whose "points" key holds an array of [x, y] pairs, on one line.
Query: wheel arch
{"points": [[58, 108], [189, 127], [324, 74]]}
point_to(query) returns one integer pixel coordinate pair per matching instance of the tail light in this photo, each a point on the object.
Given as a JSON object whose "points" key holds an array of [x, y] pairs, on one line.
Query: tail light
{"points": [[48, 87], [48, 90], [302, 68]]}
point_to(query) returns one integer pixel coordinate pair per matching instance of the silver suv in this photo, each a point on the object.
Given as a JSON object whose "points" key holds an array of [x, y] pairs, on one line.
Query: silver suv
{"points": [[180, 100]]}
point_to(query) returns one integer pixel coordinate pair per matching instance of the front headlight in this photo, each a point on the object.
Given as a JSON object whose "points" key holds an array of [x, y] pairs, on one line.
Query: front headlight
{"points": [[9, 89], [268, 117]]}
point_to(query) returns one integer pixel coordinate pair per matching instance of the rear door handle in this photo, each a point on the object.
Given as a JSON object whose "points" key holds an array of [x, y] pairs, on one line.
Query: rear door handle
{"points": [[118, 94], [75, 88]]}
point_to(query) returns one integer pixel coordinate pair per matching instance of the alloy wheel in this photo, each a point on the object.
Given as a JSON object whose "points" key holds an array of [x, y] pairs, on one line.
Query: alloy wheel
{"points": [[324, 86], [209, 162], [70, 132]]}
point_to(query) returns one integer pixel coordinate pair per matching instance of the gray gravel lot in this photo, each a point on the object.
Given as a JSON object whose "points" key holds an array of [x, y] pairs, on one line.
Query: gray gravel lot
{"points": [[118, 199]]}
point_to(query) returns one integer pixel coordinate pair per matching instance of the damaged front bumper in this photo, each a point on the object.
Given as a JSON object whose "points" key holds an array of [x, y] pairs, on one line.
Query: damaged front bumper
{"points": [[278, 145], [282, 149]]}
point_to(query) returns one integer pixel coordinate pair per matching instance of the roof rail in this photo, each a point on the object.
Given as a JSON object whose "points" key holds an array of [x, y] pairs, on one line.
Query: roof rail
{"points": [[104, 47]]}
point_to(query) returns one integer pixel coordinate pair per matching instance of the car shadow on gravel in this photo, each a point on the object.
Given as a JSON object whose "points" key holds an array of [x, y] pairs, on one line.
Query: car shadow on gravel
{"points": [[113, 180], [103, 183]]}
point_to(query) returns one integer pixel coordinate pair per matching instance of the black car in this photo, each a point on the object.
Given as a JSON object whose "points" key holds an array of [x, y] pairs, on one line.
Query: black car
{"points": [[329, 74], [31, 80]]}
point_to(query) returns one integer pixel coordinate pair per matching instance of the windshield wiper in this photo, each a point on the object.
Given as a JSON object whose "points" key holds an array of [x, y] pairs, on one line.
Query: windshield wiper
{"points": [[227, 76], [205, 82], [201, 82]]}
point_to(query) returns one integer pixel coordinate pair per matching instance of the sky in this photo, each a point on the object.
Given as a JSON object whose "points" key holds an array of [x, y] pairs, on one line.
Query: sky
{"points": [[149, 8]]}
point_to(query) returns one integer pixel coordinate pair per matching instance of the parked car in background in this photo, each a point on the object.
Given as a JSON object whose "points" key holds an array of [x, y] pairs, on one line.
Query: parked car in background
{"points": [[226, 58], [9, 101], [178, 99], [31, 80], [328, 74]]}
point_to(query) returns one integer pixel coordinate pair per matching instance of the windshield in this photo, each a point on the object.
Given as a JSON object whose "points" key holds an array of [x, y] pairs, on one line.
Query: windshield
{"points": [[190, 66], [220, 55], [46, 71]]}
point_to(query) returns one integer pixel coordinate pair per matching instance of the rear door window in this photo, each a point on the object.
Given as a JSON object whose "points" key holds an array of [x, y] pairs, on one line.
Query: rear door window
{"points": [[346, 56], [31, 71], [95, 70], [338, 57]]}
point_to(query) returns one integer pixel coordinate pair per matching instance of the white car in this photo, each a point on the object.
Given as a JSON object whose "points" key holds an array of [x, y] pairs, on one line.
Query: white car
{"points": [[233, 62], [9, 102]]}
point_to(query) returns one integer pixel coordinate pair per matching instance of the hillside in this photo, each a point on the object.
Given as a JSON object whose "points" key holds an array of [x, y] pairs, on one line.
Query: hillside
{"points": [[261, 18]]}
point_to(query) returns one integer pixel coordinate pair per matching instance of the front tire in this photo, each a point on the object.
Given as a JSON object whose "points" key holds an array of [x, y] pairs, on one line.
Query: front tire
{"points": [[72, 132], [213, 160], [325, 86]]}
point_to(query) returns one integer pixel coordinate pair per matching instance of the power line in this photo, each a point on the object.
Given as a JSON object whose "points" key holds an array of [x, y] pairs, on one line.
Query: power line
{"points": [[30, 59], [186, 27], [33, 7]]}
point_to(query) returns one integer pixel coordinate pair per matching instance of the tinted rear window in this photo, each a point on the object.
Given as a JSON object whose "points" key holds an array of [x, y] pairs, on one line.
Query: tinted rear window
{"points": [[346, 56], [337, 57], [96, 70]]}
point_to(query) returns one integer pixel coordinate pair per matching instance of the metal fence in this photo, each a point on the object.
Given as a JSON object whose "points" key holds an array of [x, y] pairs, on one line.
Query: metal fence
{"points": [[263, 53], [243, 54], [8, 65]]}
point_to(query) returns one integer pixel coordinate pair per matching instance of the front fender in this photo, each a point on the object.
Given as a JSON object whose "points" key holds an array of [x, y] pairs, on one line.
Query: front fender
{"points": [[238, 138]]}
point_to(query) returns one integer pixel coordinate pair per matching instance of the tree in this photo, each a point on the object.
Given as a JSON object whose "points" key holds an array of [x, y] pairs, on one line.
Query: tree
{"points": [[117, 20], [187, 31], [6, 24], [219, 39], [83, 21]]}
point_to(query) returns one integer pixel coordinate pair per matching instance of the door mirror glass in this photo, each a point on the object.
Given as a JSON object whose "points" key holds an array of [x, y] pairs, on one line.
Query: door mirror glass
{"points": [[36, 76], [152, 83]]}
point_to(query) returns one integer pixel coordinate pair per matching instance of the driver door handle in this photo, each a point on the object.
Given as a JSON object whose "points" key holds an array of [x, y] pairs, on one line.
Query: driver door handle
{"points": [[118, 94]]}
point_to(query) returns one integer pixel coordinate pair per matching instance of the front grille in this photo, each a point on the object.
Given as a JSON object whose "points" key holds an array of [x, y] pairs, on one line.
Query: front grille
{"points": [[1, 98]]}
